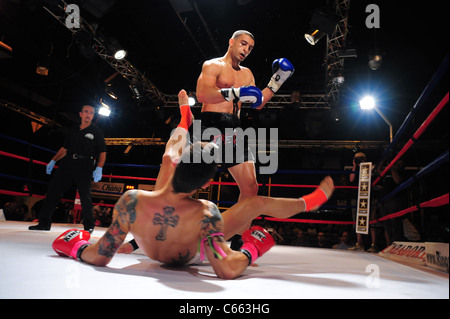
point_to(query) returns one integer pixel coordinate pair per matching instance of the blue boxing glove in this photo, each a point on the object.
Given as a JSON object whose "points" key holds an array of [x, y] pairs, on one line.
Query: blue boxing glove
{"points": [[50, 166], [97, 174], [282, 69], [250, 94]]}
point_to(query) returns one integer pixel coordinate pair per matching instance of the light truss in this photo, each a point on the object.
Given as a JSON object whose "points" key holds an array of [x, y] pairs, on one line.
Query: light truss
{"points": [[123, 67], [313, 101], [284, 144], [335, 44], [30, 114]]}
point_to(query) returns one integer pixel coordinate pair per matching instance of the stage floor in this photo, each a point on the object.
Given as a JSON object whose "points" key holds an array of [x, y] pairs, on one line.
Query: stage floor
{"points": [[31, 269]]}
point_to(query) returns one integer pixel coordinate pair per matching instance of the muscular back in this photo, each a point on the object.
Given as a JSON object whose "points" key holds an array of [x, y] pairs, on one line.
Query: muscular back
{"points": [[218, 74], [166, 231]]}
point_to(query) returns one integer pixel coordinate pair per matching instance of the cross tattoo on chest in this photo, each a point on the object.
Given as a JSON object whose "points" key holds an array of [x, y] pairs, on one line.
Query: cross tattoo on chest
{"points": [[167, 219]]}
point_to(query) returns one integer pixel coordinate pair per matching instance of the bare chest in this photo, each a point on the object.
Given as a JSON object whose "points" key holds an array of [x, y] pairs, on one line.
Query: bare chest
{"points": [[229, 77]]}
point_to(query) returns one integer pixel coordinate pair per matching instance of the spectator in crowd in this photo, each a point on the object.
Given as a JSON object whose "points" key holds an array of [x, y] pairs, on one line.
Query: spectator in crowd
{"points": [[344, 241]]}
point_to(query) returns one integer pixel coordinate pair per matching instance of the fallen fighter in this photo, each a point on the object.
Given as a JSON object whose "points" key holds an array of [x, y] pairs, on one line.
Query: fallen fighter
{"points": [[172, 227]]}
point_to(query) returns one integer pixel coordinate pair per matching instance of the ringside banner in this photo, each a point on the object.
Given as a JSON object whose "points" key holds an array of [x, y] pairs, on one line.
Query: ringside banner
{"points": [[363, 203]]}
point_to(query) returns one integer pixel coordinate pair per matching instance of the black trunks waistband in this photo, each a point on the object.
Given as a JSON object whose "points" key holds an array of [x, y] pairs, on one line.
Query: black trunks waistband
{"points": [[219, 120]]}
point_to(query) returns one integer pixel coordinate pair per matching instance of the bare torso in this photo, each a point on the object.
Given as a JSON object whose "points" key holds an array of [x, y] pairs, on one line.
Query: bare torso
{"points": [[222, 74], [169, 231]]}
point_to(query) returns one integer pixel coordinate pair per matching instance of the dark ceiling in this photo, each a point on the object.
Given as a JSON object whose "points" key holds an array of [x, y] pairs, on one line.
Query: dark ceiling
{"points": [[413, 39]]}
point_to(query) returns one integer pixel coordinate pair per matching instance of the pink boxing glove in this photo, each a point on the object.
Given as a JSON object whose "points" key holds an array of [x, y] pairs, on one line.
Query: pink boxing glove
{"points": [[71, 243], [257, 241]]}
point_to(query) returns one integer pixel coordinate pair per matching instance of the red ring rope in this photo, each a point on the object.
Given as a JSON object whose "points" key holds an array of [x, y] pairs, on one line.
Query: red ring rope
{"points": [[416, 135]]}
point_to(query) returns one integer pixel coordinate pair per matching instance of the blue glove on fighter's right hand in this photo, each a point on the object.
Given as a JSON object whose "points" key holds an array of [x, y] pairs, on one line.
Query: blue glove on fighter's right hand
{"points": [[249, 94], [50, 166]]}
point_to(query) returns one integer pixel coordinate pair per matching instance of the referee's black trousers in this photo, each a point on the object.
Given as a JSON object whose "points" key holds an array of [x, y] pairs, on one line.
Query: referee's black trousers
{"points": [[70, 172]]}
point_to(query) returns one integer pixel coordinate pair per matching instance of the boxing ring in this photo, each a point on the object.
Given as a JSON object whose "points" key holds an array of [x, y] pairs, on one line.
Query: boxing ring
{"points": [[31, 269]]}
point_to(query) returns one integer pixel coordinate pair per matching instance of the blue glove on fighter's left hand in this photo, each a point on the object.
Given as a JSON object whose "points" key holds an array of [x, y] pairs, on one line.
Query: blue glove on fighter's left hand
{"points": [[98, 173], [282, 70]]}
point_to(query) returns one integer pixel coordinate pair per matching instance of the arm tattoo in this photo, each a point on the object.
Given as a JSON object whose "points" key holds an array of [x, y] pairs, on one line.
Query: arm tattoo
{"points": [[212, 223], [124, 215]]}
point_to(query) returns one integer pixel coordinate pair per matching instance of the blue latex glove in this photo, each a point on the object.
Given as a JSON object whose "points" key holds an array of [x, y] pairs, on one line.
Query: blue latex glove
{"points": [[50, 166], [98, 174]]}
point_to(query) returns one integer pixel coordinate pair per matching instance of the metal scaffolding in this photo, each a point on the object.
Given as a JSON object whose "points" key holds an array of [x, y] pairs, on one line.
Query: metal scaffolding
{"points": [[334, 63], [102, 48], [335, 46]]}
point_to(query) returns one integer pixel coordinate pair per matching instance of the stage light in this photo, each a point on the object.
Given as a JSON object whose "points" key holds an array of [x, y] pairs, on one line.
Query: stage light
{"points": [[110, 92], [120, 54], [338, 80], [367, 103], [192, 99], [114, 46], [42, 70], [137, 95], [320, 25], [375, 62], [104, 109], [313, 36], [43, 67]]}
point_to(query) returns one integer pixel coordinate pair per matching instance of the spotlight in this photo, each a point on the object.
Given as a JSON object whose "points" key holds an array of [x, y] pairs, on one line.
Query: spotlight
{"points": [[338, 80], [120, 54], [192, 99], [110, 92], [375, 62], [336, 116], [114, 46], [367, 103], [319, 26], [43, 67], [137, 95], [313, 36], [104, 110]]}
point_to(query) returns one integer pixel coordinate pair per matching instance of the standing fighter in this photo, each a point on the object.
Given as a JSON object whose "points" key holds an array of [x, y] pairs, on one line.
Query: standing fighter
{"points": [[222, 86], [83, 147], [170, 226]]}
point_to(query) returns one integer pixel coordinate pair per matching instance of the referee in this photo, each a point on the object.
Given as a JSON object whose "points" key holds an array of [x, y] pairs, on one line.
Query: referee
{"points": [[84, 148]]}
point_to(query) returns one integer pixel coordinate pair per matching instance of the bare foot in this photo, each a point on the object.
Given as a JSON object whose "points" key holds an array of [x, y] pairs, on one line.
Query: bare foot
{"points": [[183, 98], [327, 186]]}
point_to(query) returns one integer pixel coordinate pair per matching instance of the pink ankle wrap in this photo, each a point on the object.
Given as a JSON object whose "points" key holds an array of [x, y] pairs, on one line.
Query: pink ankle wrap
{"points": [[314, 200]]}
